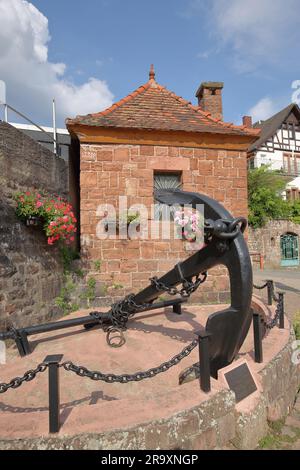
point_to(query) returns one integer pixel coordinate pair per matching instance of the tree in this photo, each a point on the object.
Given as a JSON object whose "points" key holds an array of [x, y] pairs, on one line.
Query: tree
{"points": [[264, 193], [295, 212]]}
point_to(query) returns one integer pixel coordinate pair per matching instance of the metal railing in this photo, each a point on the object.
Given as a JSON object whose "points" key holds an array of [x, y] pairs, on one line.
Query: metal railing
{"points": [[52, 138]]}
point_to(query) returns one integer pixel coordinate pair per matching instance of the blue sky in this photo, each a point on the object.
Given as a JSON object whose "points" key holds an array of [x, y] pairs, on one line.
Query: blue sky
{"points": [[250, 45]]}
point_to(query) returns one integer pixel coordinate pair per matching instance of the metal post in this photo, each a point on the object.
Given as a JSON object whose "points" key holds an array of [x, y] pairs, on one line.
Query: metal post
{"points": [[261, 261], [204, 360], [53, 387], [257, 330], [5, 113], [19, 344], [270, 288], [25, 343], [3, 99], [54, 127], [177, 309], [281, 314]]}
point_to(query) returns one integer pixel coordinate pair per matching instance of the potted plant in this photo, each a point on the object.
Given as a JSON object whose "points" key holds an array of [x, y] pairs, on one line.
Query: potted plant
{"points": [[123, 222]]}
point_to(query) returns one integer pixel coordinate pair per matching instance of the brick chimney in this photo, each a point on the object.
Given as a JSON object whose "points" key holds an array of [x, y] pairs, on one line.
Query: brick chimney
{"points": [[247, 121], [209, 96]]}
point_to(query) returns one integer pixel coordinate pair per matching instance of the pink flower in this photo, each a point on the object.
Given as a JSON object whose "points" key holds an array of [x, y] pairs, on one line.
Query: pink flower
{"points": [[39, 204]]}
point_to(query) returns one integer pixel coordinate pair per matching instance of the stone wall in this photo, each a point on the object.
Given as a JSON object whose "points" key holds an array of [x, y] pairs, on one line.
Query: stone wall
{"points": [[266, 240], [30, 271], [110, 171]]}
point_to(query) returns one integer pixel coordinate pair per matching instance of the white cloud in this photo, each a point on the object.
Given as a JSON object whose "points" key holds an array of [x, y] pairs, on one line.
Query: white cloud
{"points": [[203, 55], [263, 109], [257, 31], [32, 81]]}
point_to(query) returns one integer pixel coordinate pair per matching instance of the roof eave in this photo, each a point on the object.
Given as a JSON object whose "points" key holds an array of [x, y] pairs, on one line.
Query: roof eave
{"points": [[121, 135]]}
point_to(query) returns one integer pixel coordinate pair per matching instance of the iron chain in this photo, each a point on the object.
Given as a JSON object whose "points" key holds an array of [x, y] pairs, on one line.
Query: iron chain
{"points": [[125, 378], [260, 287], [124, 309], [273, 322], [188, 287], [27, 377], [275, 297]]}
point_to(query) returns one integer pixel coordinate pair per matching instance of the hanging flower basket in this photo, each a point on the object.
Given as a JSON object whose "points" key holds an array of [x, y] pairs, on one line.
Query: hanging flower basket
{"points": [[53, 214]]}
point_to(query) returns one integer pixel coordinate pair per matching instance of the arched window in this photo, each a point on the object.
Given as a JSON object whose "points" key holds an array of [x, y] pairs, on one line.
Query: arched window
{"points": [[165, 180], [289, 246]]}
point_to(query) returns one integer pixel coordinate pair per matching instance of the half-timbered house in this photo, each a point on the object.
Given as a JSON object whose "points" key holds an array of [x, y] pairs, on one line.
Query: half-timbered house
{"points": [[279, 147]]}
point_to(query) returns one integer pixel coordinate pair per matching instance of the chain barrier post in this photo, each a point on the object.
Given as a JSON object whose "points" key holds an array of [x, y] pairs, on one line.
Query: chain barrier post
{"points": [[258, 334], [204, 360], [281, 311], [53, 386], [177, 309], [270, 288]]}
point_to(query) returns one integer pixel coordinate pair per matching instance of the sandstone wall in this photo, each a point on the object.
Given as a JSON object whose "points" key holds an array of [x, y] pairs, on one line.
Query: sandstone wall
{"points": [[30, 271], [266, 240], [110, 171]]}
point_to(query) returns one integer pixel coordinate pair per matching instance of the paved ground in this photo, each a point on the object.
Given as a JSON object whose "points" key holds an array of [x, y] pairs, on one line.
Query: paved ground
{"points": [[287, 281], [284, 435]]}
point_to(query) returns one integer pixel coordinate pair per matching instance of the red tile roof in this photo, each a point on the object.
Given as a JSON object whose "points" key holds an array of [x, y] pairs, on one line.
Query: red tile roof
{"points": [[154, 107]]}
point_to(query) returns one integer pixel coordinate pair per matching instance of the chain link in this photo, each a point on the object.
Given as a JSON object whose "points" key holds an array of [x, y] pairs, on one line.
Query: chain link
{"points": [[260, 287], [274, 296], [273, 322], [188, 287], [27, 377], [122, 310], [125, 378]]}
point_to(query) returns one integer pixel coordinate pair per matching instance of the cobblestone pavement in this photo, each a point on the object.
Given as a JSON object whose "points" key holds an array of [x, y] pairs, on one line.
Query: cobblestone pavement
{"points": [[284, 435]]}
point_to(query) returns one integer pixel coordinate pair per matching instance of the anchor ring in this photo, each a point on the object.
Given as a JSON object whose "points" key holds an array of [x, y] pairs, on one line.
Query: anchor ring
{"points": [[110, 337]]}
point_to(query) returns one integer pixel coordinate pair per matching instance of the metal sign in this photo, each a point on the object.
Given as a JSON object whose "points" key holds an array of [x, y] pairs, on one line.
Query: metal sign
{"points": [[241, 381]]}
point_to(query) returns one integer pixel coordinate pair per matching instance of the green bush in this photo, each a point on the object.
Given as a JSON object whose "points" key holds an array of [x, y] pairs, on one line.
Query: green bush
{"points": [[265, 201], [296, 325]]}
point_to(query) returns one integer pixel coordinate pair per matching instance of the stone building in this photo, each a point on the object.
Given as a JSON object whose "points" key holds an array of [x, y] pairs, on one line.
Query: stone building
{"points": [[150, 135]]}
